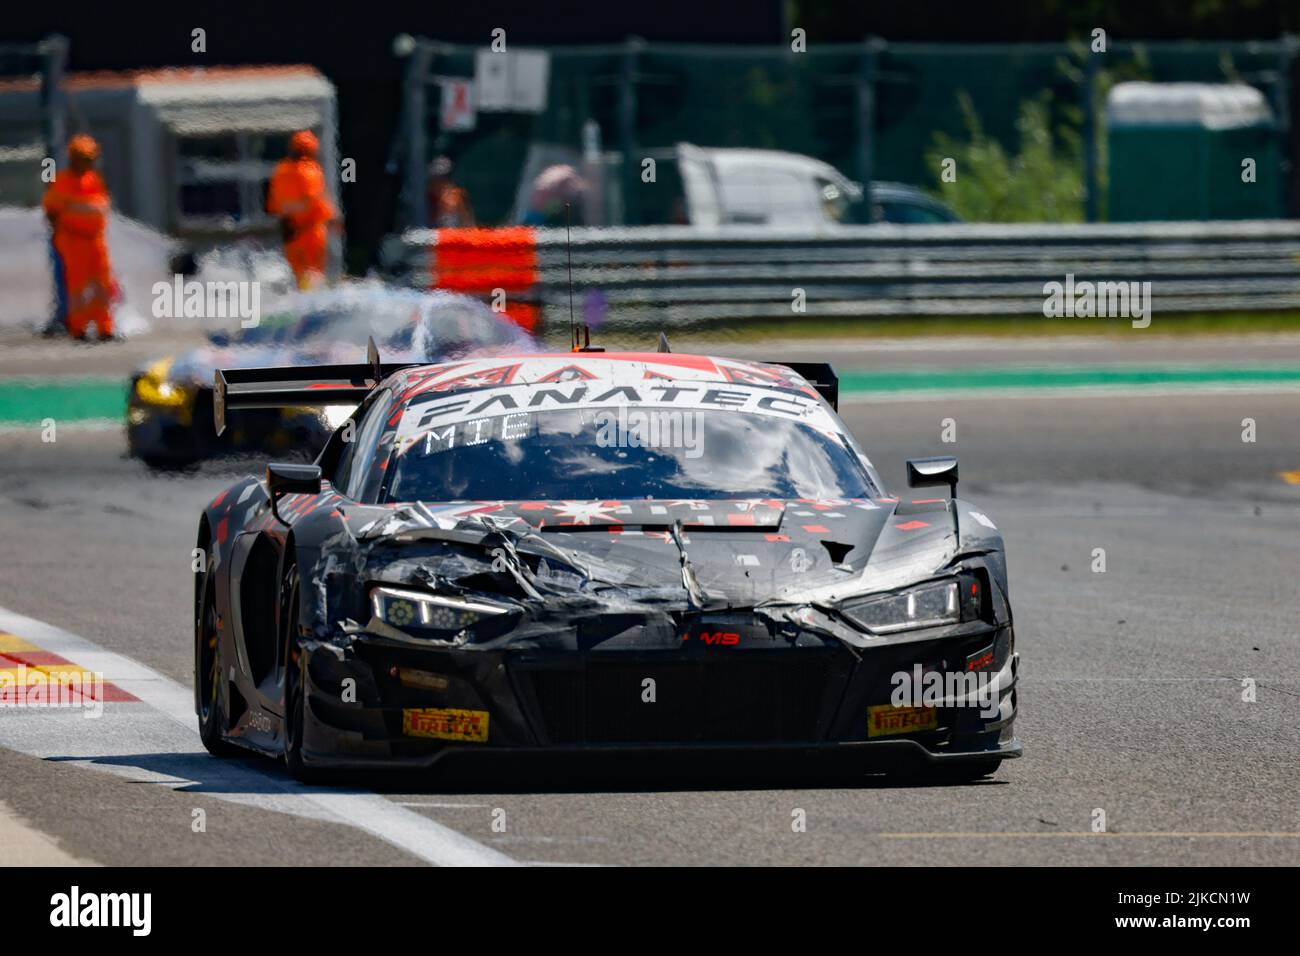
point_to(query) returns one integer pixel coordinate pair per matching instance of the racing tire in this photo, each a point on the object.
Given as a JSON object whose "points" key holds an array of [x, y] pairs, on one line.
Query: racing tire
{"points": [[208, 667], [295, 697]]}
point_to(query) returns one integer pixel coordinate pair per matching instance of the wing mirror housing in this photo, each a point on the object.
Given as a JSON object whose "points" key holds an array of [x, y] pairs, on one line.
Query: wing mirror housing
{"points": [[929, 472], [291, 478]]}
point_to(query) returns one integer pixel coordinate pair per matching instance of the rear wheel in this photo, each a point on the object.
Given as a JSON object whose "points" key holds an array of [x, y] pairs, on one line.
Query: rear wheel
{"points": [[207, 665]]}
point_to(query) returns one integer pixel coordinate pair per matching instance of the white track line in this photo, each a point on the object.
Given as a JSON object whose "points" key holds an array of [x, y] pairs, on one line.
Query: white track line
{"points": [[161, 732]]}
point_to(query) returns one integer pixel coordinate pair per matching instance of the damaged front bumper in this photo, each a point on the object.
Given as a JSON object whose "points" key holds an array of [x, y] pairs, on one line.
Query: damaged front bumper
{"points": [[728, 684]]}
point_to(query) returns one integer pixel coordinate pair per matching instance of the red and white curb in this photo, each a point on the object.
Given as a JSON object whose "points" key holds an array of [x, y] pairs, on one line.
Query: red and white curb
{"points": [[147, 732]]}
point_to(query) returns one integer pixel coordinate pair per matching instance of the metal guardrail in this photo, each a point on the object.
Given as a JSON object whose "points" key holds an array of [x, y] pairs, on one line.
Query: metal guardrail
{"points": [[679, 275]]}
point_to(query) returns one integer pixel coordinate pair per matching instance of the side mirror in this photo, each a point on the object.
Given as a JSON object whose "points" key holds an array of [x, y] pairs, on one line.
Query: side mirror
{"points": [[291, 478], [928, 472]]}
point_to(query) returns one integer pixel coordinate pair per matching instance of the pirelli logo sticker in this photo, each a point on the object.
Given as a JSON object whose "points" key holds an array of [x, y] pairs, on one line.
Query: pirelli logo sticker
{"points": [[446, 723], [884, 720]]}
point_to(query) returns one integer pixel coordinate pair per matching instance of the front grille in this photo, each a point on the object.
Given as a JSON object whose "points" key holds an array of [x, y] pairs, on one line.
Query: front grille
{"points": [[737, 698]]}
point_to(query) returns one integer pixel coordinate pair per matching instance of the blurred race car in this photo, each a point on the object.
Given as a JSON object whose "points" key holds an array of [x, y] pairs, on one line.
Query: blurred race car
{"points": [[595, 552], [169, 408]]}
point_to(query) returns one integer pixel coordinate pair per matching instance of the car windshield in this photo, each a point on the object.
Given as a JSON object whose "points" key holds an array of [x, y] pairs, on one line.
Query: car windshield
{"points": [[625, 453]]}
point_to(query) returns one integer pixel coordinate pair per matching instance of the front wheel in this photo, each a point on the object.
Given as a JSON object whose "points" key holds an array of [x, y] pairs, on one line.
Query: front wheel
{"points": [[295, 695], [207, 665]]}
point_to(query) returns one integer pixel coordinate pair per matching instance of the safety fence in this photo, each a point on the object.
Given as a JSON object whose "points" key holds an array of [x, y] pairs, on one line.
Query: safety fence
{"points": [[872, 109], [673, 276]]}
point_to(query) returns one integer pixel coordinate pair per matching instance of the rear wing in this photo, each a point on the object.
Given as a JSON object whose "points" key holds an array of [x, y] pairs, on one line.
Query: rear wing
{"points": [[314, 385], [320, 385], [820, 376]]}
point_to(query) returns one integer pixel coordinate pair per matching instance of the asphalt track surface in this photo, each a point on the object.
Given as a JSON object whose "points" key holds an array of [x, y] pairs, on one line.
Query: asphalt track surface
{"points": [[1131, 701]]}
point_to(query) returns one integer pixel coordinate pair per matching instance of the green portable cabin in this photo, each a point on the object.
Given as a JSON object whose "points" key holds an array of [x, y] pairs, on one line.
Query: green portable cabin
{"points": [[1176, 152]]}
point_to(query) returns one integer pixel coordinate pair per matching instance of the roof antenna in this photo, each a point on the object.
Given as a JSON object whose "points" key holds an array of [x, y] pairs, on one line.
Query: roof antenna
{"points": [[663, 342], [583, 343], [568, 248]]}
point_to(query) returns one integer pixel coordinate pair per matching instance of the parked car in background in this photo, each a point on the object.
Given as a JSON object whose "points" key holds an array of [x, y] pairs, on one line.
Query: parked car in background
{"points": [[786, 190], [907, 205], [711, 188]]}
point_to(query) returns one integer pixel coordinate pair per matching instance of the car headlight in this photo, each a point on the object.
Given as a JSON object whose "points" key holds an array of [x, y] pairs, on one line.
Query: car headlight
{"points": [[435, 612], [930, 605], [154, 388]]}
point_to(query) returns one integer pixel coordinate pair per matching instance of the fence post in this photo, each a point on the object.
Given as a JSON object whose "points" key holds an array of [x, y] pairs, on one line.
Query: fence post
{"points": [[1091, 190], [627, 131], [872, 47], [1284, 106], [415, 84], [54, 60], [54, 53]]}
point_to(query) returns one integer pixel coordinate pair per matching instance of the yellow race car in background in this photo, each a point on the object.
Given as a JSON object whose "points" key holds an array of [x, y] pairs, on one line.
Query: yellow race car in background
{"points": [[169, 407]]}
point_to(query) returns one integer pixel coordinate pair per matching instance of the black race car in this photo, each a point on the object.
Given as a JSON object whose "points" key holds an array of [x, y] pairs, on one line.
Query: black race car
{"points": [[595, 551]]}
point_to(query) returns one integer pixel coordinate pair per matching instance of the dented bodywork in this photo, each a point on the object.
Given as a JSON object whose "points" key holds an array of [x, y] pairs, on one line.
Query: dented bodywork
{"points": [[536, 624]]}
